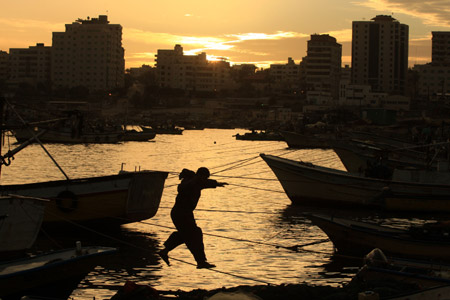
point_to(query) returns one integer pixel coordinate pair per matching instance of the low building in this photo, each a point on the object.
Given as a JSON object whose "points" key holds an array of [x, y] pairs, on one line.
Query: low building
{"points": [[30, 65], [433, 80], [285, 76], [175, 70]]}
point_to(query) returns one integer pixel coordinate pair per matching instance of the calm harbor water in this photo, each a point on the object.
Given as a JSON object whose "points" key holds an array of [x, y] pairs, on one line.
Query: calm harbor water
{"points": [[243, 223]]}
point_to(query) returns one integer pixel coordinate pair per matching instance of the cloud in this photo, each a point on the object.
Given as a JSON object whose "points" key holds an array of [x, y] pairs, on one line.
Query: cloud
{"points": [[267, 36], [232, 46], [25, 24], [432, 12]]}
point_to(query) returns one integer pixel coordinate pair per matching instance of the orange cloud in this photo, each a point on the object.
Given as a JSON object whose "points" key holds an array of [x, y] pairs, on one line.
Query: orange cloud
{"points": [[434, 12]]}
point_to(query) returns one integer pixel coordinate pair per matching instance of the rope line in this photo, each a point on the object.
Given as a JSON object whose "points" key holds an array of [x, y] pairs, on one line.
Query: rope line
{"points": [[229, 211], [294, 248], [255, 188], [222, 272]]}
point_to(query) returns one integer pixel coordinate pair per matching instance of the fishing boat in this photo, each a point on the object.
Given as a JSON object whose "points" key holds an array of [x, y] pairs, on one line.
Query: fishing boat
{"points": [[305, 183], [52, 275], [260, 136], [359, 238], [423, 273], [114, 199], [20, 222], [67, 136], [105, 200], [137, 136], [162, 129]]}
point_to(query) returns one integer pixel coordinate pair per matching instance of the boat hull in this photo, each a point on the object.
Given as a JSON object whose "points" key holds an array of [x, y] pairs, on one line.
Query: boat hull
{"points": [[358, 238], [122, 198], [54, 274], [54, 136], [312, 185], [20, 223]]}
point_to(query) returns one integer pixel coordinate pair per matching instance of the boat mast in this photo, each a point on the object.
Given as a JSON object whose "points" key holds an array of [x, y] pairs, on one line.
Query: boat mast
{"points": [[34, 137]]}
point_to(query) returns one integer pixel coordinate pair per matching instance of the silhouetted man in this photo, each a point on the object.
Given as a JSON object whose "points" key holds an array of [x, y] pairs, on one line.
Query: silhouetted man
{"points": [[182, 214]]}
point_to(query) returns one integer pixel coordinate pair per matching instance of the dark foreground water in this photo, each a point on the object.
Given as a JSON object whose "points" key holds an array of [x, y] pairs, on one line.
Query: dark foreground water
{"points": [[246, 224]]}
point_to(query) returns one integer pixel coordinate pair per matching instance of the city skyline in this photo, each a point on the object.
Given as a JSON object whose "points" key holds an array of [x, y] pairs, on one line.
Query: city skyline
{"points": [[237, 30]]}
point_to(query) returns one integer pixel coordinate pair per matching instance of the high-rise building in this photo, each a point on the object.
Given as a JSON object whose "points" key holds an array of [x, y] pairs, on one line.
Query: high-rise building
{"points": [[191, 72], [440, 48], [90, 54], [322, 64], [380, 54], [4, 65], [30, 65], [433, 82]]}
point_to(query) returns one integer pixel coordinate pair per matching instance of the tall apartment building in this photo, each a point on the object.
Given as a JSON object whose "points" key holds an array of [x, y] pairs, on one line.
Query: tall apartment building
{"points": [[380, 54], [191, 72], [434, 78], [31, 65], [321, 66], [89, 53], [4, 65], [440, 48]]}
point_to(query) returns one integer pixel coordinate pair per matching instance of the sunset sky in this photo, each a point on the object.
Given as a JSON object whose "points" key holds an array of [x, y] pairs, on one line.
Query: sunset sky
{"points": [[242, 31]]}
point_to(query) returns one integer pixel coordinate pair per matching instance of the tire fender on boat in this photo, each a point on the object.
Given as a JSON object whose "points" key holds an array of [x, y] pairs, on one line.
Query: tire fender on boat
{"points": [[73, 204]]}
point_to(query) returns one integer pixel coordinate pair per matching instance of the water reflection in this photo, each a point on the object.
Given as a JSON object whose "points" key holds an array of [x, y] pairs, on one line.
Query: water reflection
{"points": [[253, 208]]}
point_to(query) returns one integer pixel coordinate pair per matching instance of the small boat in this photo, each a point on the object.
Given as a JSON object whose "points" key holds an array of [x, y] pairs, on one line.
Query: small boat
{"points": [[358, 238], [162, 130], [137, 136], [115, 199], [51, 275], [67, 136], [260, 136], [104, 200], [307, 141], [305, 183], [20, 222], [422, 273]]}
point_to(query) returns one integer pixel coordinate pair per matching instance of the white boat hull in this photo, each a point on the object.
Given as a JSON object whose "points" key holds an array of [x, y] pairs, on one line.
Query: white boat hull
{"points": [[310, 184]]}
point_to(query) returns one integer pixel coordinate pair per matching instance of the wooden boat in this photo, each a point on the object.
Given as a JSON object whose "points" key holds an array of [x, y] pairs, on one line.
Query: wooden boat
{"points": [[260, 136], [359, 238], [53, 275], [162, 130], [67, 136], [423, 273], [114, 199], [307, 141], [137, 136], [305, 183], [21, 219]]}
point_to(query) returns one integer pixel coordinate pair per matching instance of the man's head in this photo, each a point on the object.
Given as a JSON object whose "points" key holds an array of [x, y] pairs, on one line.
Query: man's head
{"points": [[203, 172]]}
